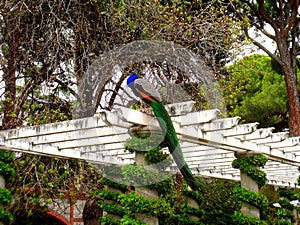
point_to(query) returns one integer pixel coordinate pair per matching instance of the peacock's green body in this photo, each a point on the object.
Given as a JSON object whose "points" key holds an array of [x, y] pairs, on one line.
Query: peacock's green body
{"points": [[147, 93]]}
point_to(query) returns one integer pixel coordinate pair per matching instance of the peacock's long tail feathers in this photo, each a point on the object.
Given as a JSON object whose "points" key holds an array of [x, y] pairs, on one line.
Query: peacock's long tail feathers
{"points": [[172, 142]]}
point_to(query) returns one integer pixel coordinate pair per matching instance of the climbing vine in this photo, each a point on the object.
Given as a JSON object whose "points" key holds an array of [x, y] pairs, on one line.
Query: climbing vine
{"points": [[253, 198], [285, 212], [151, 147], [250, 165], [240, 219]]}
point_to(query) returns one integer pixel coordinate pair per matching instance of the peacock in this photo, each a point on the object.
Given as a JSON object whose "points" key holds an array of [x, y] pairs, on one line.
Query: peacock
{"points": [[145, 90]]}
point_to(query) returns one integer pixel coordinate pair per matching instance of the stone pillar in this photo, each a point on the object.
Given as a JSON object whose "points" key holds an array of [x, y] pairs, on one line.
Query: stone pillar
{"points": [[295, 211], [2, 182], [193, 204], [249, 184], [145, 192], [140, 161]]}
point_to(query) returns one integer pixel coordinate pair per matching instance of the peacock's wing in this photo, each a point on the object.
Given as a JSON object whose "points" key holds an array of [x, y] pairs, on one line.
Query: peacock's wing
{"points": [[146, 90], [166, 125]]}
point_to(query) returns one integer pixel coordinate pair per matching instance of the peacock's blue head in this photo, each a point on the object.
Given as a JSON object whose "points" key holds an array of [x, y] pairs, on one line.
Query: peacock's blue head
{"points": [[131, 79]]}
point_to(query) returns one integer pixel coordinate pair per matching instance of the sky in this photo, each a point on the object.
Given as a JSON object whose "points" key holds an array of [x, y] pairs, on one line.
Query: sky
{"points": [[267, 42]]}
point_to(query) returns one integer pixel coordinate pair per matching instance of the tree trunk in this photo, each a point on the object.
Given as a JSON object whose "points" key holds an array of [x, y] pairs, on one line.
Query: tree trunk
{"points": [[293, 98], [288, 68], [9, 76]]}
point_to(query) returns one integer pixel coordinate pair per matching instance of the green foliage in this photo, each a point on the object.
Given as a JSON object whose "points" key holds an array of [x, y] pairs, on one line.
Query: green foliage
{"points": [[253, 198], [151, 146], [113, 184], [248, 165], [298, 180], [256, 91], [218, 202], [170, 208], [5, 195], [285, 212], [270, 214], [6, 156], [290, 194], [109, 221], [6, 170], [140, 175], [164, 187], [110, 195], [284, 203], [254, 16], [161, 159], [164, 208], [240, 219], [284, 222], [194, 195], [134, 203], [5, 216], [143, 143], [130, 220], [112, 208]]}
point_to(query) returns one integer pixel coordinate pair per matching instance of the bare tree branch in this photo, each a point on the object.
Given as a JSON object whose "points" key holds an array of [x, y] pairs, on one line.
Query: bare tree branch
{"points": [[264, 15], [291, 19]]}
